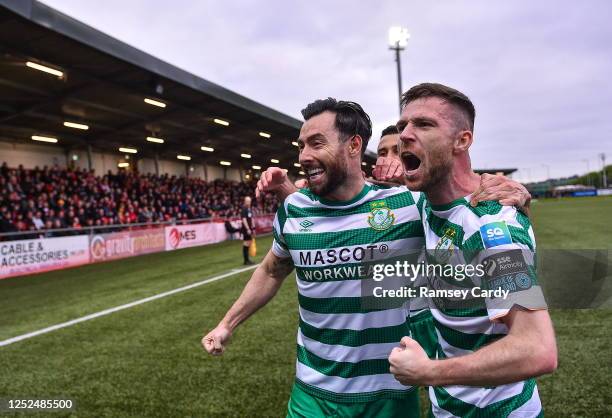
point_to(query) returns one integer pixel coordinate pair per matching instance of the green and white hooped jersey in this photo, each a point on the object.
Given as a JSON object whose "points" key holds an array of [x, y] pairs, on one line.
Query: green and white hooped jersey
{"points": [[471, 231], [342, 346]]}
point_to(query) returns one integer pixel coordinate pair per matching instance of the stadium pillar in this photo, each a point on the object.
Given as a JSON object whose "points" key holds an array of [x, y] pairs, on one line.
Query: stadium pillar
{"points": [[156, 164], [205, 166], [89, 159]]}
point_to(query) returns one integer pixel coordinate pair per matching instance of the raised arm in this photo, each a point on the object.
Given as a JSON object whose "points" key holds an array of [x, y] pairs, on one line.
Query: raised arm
{"points": [[528, 350], [263, 285], [492, 187], [275, 180]]}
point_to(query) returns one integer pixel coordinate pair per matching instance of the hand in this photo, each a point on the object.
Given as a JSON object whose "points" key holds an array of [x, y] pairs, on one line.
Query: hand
{"points": [[389, 169], [301, 183], [382, 183], [217, 340], [500, 188], [275, 180], [271, 180], [410, 364]]}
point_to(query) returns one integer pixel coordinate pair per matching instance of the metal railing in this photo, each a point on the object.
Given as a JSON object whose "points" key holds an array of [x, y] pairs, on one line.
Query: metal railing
{"points": [[100, 229]]}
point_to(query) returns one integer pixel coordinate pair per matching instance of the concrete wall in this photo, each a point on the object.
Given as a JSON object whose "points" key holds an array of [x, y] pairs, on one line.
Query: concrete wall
{"points": [[146, 165], [233, 174], [214, 172], [102, 163], [31, 155], [173, 168], [196, 171]]}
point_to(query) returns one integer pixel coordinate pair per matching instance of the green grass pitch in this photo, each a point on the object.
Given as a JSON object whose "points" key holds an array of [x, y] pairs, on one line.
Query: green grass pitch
{"points": [[147, 360]]}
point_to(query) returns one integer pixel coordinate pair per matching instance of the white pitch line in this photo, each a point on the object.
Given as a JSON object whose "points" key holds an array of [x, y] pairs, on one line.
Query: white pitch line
{"points": [[121, 307]]}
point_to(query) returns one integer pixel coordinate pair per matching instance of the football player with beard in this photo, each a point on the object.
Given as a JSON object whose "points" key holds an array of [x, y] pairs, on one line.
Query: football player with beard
{"points": [[327, 232]]}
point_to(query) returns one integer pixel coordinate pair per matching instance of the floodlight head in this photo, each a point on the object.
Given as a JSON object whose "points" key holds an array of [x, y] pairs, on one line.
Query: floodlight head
{"points": [[398, 37]]}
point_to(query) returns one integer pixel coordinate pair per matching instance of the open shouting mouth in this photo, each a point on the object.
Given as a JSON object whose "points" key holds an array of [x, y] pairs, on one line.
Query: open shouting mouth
{"points": [[411, 162]]}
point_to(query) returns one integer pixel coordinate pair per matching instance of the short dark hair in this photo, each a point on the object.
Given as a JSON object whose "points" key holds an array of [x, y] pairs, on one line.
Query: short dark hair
{"points": [[351, 119], [448, 94], [389, 130]]}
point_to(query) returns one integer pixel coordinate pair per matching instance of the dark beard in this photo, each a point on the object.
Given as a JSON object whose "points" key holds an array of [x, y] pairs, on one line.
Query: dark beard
{"points": [[335, 175], [436, 175]]}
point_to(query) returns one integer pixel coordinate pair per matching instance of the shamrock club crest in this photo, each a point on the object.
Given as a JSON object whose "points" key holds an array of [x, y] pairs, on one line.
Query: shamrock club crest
{"points": [[445, 246], [380, 217]]}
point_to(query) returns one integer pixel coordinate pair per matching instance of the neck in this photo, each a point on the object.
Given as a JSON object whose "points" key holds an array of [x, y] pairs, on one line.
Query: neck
{"points": [[460, 182], [347, 191]]}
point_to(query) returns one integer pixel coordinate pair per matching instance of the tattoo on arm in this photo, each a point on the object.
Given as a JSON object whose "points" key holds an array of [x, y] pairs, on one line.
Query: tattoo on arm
{"points": [[278, 267]]}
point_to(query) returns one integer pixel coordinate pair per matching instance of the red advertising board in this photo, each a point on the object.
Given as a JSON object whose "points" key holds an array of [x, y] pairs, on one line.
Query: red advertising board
{"points": [[264, 223], [123, 244], [185, 236]]}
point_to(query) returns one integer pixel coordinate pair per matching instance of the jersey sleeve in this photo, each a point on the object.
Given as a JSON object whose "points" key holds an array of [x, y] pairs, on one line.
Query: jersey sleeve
{"points": [[503, 244], [279, 245]]}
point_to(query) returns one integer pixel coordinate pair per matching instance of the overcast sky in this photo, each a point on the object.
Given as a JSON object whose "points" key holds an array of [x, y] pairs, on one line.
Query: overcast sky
{"points": [[538, 72]]}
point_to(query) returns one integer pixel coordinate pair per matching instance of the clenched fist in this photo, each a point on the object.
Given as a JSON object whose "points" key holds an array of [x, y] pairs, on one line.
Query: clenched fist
{"points": [[271, 180], [275, 180], [217, 340], [389, 169], [410, 364]]}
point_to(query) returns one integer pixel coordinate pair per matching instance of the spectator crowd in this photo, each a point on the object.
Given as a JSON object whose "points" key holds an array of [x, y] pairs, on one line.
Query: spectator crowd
{"points": [[53, 198]]}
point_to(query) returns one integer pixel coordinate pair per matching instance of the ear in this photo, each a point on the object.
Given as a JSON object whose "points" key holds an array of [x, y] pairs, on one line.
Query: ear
{"points": [[355, 146], [463, 142]]}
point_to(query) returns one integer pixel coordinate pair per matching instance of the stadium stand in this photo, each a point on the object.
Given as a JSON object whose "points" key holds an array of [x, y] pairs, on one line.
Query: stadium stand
{"points": [[74, 95], [123, 137], [51, 198]]}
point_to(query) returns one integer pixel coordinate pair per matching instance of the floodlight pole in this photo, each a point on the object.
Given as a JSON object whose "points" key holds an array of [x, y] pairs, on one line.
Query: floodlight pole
{"points": [[399, 74], [397, 48], [603, 171], [547, 170]]}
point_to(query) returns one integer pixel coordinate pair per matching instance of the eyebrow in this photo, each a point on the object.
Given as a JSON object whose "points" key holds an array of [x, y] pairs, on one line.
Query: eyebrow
{"points": [[311, 137], [424, 119], [402, 123]]}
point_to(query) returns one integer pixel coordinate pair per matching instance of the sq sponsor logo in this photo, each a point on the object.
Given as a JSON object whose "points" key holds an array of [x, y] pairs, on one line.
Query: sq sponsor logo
{"points": [[494, 234]]}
